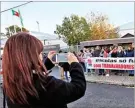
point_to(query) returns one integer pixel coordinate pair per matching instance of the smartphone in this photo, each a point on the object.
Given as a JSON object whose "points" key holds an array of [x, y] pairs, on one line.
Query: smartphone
{"points": [[61, 57]]}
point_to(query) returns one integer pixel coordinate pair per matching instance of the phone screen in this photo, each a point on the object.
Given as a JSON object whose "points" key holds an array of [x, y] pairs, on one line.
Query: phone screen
{"points": [[62, 57]]}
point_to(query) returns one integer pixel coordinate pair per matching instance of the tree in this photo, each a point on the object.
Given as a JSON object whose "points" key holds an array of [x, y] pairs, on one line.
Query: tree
{"points": [[2, 35], [100, 28], [11, 30], [73, 30]]}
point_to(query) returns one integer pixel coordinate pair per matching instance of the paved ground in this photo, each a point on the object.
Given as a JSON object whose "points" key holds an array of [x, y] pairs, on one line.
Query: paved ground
{"points": [[105, 96], [113, 79], [101, 96]]}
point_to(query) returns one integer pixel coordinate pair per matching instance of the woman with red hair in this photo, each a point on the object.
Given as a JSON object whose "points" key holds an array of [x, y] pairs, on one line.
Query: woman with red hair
{"points": [[26, 82]]}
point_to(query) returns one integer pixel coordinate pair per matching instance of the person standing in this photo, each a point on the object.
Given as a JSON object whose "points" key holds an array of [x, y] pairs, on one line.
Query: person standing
{"points": [[101, 71], [26, 81], [106, 54], [114, 52], [114, 55], [92, 52], [87, 54], [97, 52], [81, 59], [130, 53], [120, 53]]}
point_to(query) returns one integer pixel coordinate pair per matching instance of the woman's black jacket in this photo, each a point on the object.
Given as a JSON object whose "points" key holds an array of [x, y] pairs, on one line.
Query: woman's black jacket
{"points": [[58, 93]]}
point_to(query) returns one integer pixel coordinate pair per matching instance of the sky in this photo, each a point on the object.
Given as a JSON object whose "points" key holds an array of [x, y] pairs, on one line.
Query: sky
{"points": [[48, 14]]}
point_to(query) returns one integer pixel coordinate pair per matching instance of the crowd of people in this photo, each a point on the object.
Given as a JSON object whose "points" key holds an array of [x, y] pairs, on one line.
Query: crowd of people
{"points": [[112, 51]]}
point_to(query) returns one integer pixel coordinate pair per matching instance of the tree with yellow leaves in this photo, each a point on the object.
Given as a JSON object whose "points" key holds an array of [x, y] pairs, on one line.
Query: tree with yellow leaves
{"points": [[100, 28]]}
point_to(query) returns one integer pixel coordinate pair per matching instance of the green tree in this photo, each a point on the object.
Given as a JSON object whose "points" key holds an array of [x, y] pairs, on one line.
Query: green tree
{"points": [[73, 30], [11, 30]]}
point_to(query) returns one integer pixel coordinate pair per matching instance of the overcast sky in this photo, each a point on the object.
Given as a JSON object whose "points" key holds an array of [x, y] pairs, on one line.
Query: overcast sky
{"points": [[48, 14]]}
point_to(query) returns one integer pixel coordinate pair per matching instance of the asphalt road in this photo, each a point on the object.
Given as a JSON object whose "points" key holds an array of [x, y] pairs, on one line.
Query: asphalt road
{"points": [[101, 96], [105, 96]]}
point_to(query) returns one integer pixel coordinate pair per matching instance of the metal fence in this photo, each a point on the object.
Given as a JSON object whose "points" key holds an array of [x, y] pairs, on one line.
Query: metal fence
{"points": [[75, 48]]}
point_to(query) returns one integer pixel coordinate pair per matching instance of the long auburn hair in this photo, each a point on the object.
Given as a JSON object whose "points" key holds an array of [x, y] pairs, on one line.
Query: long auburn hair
{"points": [[20, 58]]}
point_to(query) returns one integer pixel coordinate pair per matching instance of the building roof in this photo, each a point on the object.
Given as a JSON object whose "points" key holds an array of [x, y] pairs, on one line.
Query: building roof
{"points": [[44, 36], [107, 42], [127, 35]]}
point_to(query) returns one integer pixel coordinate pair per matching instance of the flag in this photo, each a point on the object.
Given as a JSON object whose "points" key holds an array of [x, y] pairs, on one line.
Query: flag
{"points": [[15, 13], [18, 14], [20, 18]]}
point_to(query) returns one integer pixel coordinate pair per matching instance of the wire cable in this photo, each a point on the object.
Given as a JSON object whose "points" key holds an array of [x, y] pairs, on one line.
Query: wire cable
{"points": [[16, 6]]}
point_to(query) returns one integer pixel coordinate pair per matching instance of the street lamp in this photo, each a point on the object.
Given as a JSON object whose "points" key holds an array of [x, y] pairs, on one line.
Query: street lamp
{"points": [[38, 26]]}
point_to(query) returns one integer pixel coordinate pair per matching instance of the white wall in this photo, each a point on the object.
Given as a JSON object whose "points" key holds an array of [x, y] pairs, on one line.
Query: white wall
{"points": [[49, 39], [54, 42]]}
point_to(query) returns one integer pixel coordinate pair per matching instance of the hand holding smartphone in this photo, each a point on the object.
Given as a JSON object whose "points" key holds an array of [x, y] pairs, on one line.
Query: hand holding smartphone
{"points": [[64, 57], [61, 57]]}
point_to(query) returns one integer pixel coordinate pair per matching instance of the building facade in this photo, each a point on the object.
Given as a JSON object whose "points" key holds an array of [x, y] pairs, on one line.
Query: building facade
{"points": [[48, 39]]}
